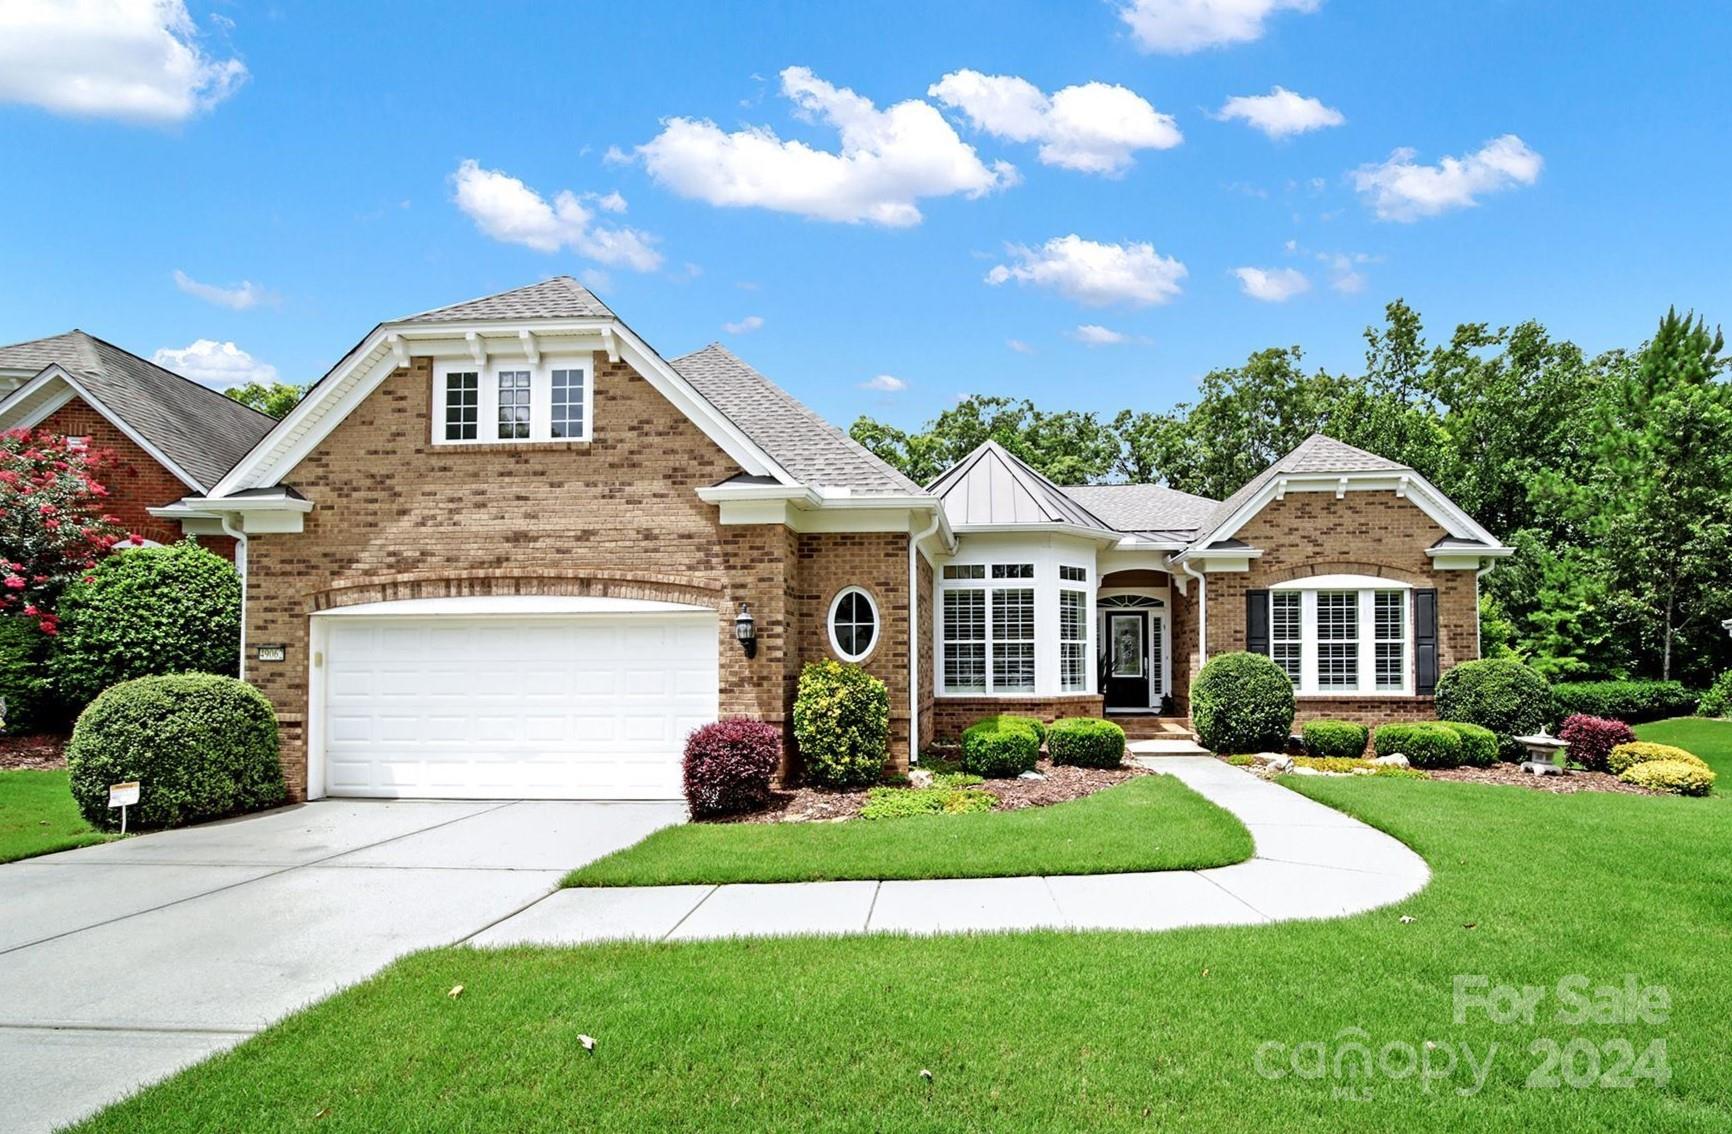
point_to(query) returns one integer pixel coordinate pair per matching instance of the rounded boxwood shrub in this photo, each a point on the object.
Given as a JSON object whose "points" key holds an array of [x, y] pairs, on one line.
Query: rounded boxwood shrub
{"points": [[1087, 742], [173, 609], [1242, 702], [1426, 744], [1341, 739], [1479, 747], [1591, 739], [1717, 702], [23, 653], [1679, 777], [999, 748], [1626, 756], [1039, 726], [201, 747], [841, 724], [1501, 694], [728, 766]]}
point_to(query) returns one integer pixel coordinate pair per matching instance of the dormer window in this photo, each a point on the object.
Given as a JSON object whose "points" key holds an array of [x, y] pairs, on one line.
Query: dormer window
{"points": [[512, 402]]}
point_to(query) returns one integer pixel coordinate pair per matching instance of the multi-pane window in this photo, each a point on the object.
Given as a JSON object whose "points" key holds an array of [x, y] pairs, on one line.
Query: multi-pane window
{"points": [[566, 414], [462, 405], [1013, 570], [1073, 645], [1337, 640], [1390, 618], [965, 571], [513, 405], [965, 640], [1073, 574], [1285, 634], [853, 624], [1013, 639]]}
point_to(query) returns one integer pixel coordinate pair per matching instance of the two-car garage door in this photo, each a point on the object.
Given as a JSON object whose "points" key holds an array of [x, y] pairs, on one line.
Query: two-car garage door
{"points": [[507, 706]]}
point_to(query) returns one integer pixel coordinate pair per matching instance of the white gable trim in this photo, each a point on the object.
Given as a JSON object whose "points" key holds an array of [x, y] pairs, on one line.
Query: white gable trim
{"points": [[390, 345], [1407, 484], [35, 401]]}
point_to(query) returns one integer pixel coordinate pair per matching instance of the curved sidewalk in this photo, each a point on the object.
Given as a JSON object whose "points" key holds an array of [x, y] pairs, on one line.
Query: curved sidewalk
{"points": [[1310, 861]]}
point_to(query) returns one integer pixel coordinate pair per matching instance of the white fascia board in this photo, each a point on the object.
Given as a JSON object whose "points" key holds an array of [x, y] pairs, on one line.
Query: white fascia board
{"points": [[210, 506], [791, 494], [1492, 551], [43, 407], [1053, 528], [30, 403]]}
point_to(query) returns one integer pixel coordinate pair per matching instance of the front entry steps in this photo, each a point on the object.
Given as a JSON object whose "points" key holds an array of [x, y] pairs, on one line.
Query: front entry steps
{"points": [[1145, 751], [1147, 726]]}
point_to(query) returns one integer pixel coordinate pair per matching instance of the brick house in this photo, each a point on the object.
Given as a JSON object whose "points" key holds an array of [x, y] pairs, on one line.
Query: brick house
{"points": [[164, 435], [506, 549]]}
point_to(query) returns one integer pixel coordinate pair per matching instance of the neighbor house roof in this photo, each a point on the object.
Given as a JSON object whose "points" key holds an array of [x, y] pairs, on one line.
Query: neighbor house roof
{"points": [[200, 430], [1146, 508], [558, 298], [810, 448], [992, 487]]}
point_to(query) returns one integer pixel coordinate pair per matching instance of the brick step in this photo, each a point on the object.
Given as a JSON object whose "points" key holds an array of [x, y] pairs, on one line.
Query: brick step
{"points": [[1138, 727]]}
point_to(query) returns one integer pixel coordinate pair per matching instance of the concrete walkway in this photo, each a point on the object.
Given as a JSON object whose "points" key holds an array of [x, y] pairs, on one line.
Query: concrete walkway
{"points": [[1310, 862], [121, 963]]}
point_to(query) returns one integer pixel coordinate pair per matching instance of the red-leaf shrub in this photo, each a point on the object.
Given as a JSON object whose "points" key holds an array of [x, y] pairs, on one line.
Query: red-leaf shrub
{"points": [[1591, 739], [729, 765], [52, 528]]}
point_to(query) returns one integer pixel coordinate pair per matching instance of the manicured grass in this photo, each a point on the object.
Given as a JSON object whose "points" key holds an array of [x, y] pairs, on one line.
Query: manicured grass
{"points": [[1709, 739], [1059, 1031], [37, 816], [1148, 823]]}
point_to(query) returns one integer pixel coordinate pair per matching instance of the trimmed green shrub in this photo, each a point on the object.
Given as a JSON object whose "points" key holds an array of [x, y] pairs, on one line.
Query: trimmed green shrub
{"points": [[1242, 702], [903, 803], [1632, 702], [1336, 764], [1627, 756], [23, 652], [1479, 747], [1000, 747], [1399, 773], [1501, 694], [1342, 739], [201, 747], [1039, 726], [174, 609], [841, 724], [1426, 744], [1717, 702], [1087, 742], [1242, 760], [1676, 776]]}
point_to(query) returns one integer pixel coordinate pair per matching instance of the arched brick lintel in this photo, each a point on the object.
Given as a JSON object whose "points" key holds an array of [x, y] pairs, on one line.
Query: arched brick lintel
{"points": [[1345, 567], [470, 584]]}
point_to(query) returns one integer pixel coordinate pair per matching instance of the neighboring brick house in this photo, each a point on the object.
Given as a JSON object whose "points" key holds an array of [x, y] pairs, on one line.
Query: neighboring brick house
{"points": [[505, 549], [163, 435]]}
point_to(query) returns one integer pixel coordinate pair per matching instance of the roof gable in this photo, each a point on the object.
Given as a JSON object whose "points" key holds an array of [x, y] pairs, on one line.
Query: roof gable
{"points": [[558, 298], [991, 487], [1144, 508]]}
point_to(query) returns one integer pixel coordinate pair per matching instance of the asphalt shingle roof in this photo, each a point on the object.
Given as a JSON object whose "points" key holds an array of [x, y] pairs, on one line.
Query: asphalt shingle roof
{"points": [[203, 431], [810, 448], [558, 298], [1316, 454], [1143, 507]]}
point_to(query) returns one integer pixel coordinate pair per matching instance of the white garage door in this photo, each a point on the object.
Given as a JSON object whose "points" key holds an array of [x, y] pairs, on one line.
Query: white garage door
{"points": [[545, 707]]}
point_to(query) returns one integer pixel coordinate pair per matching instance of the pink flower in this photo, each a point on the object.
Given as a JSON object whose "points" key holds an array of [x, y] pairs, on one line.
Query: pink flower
{"points": [[48, 509], [136, 539], [15, 582], [49, 627]]}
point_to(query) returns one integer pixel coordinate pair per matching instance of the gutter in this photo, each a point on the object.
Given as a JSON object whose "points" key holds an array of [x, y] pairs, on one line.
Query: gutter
{"points": [[1202, 613], [914, 631], [226, 519]]}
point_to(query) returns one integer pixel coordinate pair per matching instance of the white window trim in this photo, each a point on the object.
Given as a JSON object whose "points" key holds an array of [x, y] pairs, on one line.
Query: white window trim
{"points": [[1046, 584], [1366, 588], [830, 624], [540, 400], [1073, 587]]}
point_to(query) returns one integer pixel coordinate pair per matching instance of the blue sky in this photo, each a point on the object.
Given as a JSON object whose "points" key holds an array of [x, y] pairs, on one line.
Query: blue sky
{"points": [[317, 152]]}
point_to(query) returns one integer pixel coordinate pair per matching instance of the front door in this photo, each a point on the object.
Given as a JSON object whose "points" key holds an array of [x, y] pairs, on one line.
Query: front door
{"points": [[1127, 676]]}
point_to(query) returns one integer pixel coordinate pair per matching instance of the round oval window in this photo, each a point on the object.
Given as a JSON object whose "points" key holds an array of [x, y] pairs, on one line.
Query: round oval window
{"points": [[853, 624]]}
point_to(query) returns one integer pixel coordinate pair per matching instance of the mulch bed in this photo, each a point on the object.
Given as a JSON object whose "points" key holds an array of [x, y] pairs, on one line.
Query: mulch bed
{"points": [[1063, 782], [44, 753]]}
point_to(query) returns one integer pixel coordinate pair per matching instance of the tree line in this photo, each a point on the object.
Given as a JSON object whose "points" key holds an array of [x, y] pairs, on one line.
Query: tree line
{"points": [[1610, 475]]}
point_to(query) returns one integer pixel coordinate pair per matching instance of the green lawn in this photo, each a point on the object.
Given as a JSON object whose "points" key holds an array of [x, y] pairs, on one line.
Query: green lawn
{"points": [[37, 816], [1056, 1031], [1711, 740], [1148, 823]]}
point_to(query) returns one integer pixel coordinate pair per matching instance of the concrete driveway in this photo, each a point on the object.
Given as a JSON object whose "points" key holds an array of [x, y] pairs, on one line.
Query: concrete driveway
{"points": [[121, 963]]}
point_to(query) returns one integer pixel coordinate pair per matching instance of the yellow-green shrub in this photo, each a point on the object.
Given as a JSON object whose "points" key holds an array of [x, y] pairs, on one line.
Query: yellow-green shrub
{"points": [[1679, 777], [1627, 756]]}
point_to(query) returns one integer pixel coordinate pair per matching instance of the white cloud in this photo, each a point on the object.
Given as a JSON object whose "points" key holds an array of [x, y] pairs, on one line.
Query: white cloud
{"points": [[1178, 27], [510, 211], [595, 279], [215, 364], [135, 60], [745, 326], [885, 384], [1344, 273], [1401, 189], [1093, 334], [240, 297], [1272, 285], [1095, 274], [1019, 346], [1095, 127], [888, 159], [1281, 113], [609, 202]]}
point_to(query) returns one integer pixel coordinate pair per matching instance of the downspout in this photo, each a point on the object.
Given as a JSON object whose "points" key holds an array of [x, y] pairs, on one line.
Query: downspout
{"points": [[1202, 615], [914, 636], [240, 538], [1478, 645]]}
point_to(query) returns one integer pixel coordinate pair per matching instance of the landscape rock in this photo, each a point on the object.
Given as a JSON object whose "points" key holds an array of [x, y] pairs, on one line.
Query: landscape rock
{"points": [[1031, 776], [1393, 760]]}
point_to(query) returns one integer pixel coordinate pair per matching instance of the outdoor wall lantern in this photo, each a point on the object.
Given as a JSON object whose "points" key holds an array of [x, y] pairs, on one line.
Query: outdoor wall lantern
{"points": [[746, 631]]}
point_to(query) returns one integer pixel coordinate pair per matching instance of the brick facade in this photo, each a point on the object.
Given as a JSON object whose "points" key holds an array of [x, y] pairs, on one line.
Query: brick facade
{"points": [[953, 714], [136, 482], [398, 517]]}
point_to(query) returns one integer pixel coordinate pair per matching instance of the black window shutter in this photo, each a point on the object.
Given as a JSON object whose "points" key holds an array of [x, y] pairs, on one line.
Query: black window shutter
{"points": [[1257, 621], [1425, 642]]}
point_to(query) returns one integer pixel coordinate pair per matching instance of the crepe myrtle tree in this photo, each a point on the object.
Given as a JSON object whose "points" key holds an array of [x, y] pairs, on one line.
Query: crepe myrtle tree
{"points": [[52, 526]]}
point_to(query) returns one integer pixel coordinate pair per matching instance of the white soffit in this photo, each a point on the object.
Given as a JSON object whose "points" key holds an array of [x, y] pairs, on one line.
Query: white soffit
{"points": [[512, 605]]}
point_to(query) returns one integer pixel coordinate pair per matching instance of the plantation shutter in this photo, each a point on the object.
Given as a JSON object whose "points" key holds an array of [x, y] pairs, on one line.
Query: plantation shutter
{"points": [[1257, 621], [1425, 642]]}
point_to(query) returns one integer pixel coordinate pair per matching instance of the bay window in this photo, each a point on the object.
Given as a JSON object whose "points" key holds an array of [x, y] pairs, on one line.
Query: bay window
{"points": [[1014, 626], [1073, 640]]}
